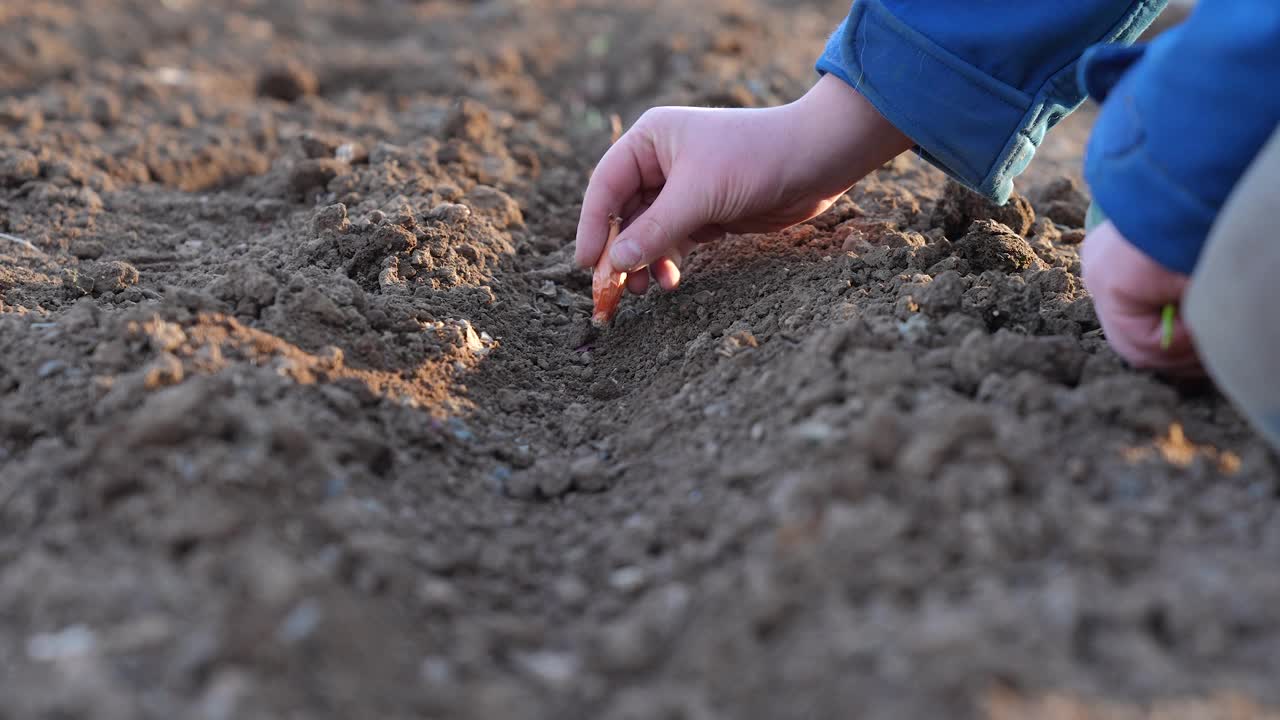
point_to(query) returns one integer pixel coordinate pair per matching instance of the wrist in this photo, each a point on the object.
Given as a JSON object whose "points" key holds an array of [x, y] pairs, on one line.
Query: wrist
{"points": [[841, 137]]}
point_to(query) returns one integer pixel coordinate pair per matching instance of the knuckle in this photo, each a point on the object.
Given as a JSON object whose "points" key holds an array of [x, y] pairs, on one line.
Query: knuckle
{"points": [[656, 118], [651, 116]]}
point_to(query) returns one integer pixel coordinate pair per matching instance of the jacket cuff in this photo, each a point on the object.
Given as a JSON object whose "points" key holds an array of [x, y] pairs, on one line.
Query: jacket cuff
{"points": [[1150, 209], [972, 126]]}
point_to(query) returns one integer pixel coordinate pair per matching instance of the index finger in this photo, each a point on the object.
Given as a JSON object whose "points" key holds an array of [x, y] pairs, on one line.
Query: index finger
{"points": [[615, 181]]}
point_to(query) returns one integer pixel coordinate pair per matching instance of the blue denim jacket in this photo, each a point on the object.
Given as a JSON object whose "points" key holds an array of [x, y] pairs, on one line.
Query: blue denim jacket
{"points": [[978, 84]]}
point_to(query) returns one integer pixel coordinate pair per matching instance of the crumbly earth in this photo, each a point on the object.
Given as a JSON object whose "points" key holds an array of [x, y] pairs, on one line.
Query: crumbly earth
{"points": [[296, 420]]}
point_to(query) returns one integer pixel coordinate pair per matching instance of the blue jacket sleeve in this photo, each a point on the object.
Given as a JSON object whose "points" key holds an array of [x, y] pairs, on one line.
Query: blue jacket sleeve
{"points": [[1181, 122], [976, 85]]}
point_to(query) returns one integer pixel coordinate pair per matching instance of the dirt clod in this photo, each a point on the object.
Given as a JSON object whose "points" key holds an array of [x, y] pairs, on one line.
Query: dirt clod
{"points": [[990, 245], [331, 218], [467, 120], [943, 294], [450, 213], [312, 175], [288, 82], [589, 474], [606, 389], [18, 167], [960, 207], [1062, 201], [112, 276], [584, 333]]}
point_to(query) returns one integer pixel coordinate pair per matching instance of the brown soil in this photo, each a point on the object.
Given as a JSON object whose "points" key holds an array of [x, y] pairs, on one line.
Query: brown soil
{"points": [[294, 423]]}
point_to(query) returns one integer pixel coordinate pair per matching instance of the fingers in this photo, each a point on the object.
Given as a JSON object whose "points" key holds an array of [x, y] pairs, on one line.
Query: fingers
{"points": [[1138, 338], [666, 272], [614, 188], [1180, 358], [1130, 293], [665, 216], [675, 215], [1181, 343]]}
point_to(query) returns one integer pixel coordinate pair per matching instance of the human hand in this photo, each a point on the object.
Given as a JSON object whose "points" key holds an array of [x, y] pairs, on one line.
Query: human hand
{"points": [[1130, 291], [681, 176]]}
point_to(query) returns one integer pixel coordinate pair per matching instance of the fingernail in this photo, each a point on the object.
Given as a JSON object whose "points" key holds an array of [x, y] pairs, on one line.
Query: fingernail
{"points": [[625, 255]]}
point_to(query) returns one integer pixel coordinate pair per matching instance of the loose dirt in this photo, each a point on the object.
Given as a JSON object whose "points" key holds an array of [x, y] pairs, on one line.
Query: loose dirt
{"points": [[298, 420]]}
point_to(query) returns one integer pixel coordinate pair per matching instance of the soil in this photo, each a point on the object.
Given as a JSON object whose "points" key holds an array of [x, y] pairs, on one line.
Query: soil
{"points": [[297, 420]]}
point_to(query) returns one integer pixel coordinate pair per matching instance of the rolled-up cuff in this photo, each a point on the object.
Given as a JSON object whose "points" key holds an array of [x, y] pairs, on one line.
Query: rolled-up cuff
{"points": [[973, 126]]}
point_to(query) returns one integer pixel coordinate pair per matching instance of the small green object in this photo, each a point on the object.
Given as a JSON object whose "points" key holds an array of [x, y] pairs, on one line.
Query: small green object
{"points": [[1166, 325], [598, 45], [1093, 217]]}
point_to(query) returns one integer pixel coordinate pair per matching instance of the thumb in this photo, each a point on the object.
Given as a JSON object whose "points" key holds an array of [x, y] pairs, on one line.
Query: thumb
{"points": [[674, 215]]}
